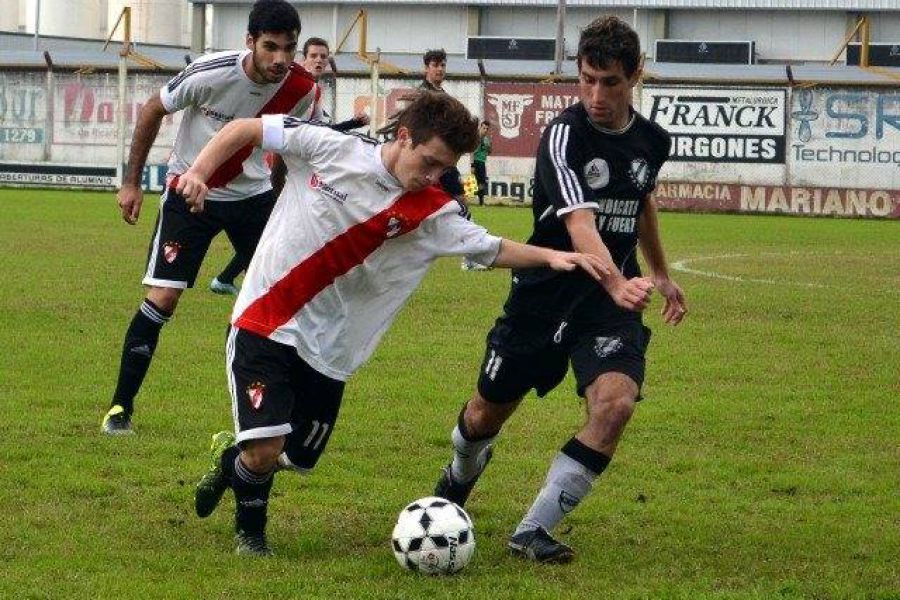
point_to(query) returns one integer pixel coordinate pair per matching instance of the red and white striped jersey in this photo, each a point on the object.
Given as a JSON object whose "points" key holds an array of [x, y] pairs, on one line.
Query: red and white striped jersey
{"points": [[345, 247], [214, 90]]}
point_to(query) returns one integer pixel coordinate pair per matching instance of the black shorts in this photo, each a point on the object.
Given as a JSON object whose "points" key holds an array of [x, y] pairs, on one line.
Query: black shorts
{"points": [[181, 238], [525, 354], [274, 392]]}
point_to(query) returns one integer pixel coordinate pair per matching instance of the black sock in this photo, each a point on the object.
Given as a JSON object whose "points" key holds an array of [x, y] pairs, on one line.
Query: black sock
{"points": [[251, 495], [137, 352], [232, 269]]}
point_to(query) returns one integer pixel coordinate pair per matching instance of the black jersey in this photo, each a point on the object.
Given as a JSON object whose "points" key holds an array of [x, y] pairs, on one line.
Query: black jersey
{"points": [[581, 166]]}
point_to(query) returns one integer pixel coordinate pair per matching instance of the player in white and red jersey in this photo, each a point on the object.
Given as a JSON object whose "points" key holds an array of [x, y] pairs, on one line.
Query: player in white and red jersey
{"points": [[353, 233], [315, 58], [212, 91]]}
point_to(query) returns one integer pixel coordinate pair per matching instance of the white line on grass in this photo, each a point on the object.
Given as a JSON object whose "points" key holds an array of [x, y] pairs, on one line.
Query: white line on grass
{"points": [[682, 266]]}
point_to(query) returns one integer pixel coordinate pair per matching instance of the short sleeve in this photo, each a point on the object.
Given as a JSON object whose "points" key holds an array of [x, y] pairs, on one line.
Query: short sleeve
{"points": [[185, 89], [452, 234], [290, 136], [560, 168]]}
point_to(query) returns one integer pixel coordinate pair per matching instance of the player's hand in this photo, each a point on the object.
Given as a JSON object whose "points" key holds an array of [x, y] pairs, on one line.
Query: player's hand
{"points": [[569, 261], [193, 189], [675, 308], [362, 117], [631, 294], [130, 198]]}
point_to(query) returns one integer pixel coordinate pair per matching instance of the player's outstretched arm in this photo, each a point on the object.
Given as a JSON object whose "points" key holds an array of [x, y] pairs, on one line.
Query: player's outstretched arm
{"points": [[130, 196], [229, 139], [631, 294], [675, 307], [522, 256]]}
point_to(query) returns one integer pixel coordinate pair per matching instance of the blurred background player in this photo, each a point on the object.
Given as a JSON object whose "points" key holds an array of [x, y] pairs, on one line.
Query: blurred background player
{"points": [[315, 60], [435, 73], [211, 91], [306, 317], [479, 159], [596, 166]]}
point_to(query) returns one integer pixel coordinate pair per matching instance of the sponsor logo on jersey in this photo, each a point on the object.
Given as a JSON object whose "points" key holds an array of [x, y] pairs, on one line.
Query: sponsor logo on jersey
{"points": [[255, 392], [510, 108], [215, 115], [640, 174], [170, 251], [596, 173], [318, 184], [605, 346]]}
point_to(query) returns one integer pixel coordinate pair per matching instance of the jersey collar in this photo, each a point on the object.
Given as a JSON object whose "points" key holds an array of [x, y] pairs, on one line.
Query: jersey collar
{"points": [[382, 172], [624, 129]]}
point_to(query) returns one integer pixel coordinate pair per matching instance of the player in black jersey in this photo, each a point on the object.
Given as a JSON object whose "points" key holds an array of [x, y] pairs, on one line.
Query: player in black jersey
{"points": [[596, 166]]}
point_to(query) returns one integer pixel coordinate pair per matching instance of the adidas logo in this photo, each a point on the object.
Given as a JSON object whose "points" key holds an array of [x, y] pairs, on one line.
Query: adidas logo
{"points": [[142, 350]]}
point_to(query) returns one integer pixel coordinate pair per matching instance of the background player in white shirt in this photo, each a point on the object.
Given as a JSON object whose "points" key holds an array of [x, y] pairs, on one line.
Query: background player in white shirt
{"points": [[213, 90], [353, 233], [315, 60]]}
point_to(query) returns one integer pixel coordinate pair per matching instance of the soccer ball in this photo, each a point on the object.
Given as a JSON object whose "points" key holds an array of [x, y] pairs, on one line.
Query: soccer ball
{"points": [[433, 536]]}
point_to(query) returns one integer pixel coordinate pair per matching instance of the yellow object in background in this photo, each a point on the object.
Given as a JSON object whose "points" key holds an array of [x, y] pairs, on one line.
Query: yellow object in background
{"points": [[470, 185]]}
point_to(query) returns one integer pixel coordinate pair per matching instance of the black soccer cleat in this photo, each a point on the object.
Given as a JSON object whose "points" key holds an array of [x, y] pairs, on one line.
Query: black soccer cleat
{"points": [[539, 546], [455, 491], [252, 544], [214, 482], [116, 421]]}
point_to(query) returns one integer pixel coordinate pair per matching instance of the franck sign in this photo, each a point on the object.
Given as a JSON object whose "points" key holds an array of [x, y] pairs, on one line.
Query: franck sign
{"points": [[716, 125]]}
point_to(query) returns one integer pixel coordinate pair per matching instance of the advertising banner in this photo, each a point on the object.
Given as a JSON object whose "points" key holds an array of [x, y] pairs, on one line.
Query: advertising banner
{"points": [[845, 137], [521, 111], [719, 125], [792, 200]]}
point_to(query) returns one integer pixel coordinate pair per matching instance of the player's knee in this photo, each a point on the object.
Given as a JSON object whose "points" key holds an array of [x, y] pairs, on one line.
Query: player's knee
{"points": [[261, 456], [614, 410], [485, 419], [164, 298]]}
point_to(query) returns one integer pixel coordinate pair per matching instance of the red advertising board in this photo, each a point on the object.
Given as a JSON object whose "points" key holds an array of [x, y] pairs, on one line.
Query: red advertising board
{"points": [[521, 111]]}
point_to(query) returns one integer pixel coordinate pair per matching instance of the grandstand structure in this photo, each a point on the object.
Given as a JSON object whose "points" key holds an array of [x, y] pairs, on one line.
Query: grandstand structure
{"points": [[828, 113]]}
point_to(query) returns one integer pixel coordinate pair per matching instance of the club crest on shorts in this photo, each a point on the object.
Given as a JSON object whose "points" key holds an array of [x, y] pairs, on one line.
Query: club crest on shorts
{"points": [[605, 346], [255, 392], [170, 251]]}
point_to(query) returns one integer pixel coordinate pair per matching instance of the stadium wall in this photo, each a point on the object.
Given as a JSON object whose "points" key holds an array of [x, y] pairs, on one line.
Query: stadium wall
{"points": [[830, 151]]}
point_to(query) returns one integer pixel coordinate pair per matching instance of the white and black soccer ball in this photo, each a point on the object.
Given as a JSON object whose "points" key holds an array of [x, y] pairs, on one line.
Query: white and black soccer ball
{"points": [[433, 536]]}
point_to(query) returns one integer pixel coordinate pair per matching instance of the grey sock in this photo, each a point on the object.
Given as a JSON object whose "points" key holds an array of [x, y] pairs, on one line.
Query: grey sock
{"points": [[468, 455], [568, 481]]}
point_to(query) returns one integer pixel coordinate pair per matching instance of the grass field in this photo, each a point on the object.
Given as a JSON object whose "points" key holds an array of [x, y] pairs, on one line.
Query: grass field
{"points": [[763, 463]]}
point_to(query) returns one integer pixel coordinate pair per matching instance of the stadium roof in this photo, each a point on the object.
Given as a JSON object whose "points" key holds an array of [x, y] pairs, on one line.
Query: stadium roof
{"points": [[459, 67], [841, 5], [16, 51], [73, 54]]}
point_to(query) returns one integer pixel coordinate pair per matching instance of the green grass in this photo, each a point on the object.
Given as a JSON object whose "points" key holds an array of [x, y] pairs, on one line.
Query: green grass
{"points": [[763, 463]]}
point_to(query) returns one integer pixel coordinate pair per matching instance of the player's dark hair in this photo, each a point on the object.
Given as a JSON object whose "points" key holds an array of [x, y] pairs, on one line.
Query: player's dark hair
{"points": [[273, 16], [609, 39], [430, 56], [314, 41], [430, 114]]}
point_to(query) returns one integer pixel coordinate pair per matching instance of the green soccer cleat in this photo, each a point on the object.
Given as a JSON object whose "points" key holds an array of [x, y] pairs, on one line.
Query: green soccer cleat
{"points": [[251, 544], [214, 482], [117, 422]]}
